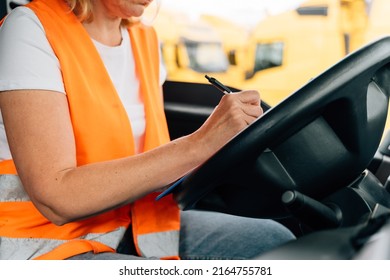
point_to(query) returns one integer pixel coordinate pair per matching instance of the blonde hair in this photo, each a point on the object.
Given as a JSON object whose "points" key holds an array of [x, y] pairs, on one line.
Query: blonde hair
{"points": [[83, 10]]}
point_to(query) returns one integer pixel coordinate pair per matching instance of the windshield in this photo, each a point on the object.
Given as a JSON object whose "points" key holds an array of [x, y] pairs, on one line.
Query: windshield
{"points": [[206, 57], [268, 56]]}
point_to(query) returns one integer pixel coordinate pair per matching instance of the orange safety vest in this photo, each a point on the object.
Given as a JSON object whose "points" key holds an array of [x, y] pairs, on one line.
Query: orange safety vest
{"points": [[102, 132]]}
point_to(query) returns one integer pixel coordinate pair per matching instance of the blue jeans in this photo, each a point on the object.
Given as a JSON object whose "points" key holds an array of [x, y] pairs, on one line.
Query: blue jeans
{"points": [[212, 235]]}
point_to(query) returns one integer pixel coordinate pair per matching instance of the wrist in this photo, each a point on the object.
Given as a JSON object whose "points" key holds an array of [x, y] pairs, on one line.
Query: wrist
{"points": [[199, 147]]}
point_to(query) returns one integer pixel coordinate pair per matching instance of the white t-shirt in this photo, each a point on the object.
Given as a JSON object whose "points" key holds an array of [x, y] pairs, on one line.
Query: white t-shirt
{"points": [[27, 61]]}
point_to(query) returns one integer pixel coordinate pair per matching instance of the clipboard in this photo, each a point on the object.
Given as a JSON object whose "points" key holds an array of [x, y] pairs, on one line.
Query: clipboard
{"points": [[171, 188]]}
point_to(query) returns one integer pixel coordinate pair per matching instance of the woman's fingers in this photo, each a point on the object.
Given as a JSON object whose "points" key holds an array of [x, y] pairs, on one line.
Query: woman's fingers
{"points": [[247, 102], [234, 112]]}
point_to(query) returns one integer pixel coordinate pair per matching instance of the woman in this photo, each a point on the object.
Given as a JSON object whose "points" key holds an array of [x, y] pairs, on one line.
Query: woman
{"points": [[80, 95]]}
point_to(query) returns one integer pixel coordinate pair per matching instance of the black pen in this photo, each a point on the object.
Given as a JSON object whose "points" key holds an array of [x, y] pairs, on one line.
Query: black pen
{"points": [[218, 85]]}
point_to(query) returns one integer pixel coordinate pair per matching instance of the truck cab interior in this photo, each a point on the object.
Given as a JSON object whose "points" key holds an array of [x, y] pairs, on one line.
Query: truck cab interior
{"points": [[318, 161], [312, 162]]}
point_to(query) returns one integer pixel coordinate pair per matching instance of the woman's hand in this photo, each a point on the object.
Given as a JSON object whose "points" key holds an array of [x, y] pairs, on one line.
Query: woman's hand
{"points": [[234, 112]]}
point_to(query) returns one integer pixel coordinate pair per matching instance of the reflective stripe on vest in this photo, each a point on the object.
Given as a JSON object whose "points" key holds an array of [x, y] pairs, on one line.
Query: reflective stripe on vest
{"points": [[155, 244], [13, 244], [103, 132]]}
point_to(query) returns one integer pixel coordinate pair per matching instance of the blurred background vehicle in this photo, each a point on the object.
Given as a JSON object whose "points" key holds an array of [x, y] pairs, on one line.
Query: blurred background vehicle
{"points": [[275, 53]]}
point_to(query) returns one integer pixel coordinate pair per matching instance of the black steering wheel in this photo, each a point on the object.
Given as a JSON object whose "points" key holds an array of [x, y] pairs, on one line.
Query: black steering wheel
{"points": [[317, 141]]}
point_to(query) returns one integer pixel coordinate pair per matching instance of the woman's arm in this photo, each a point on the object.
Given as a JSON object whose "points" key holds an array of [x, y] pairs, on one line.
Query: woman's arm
{"points": [[42, 144]]}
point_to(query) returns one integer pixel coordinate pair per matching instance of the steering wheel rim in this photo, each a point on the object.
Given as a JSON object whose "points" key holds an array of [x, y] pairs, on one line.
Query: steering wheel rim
{"points": [[352, 95]]}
